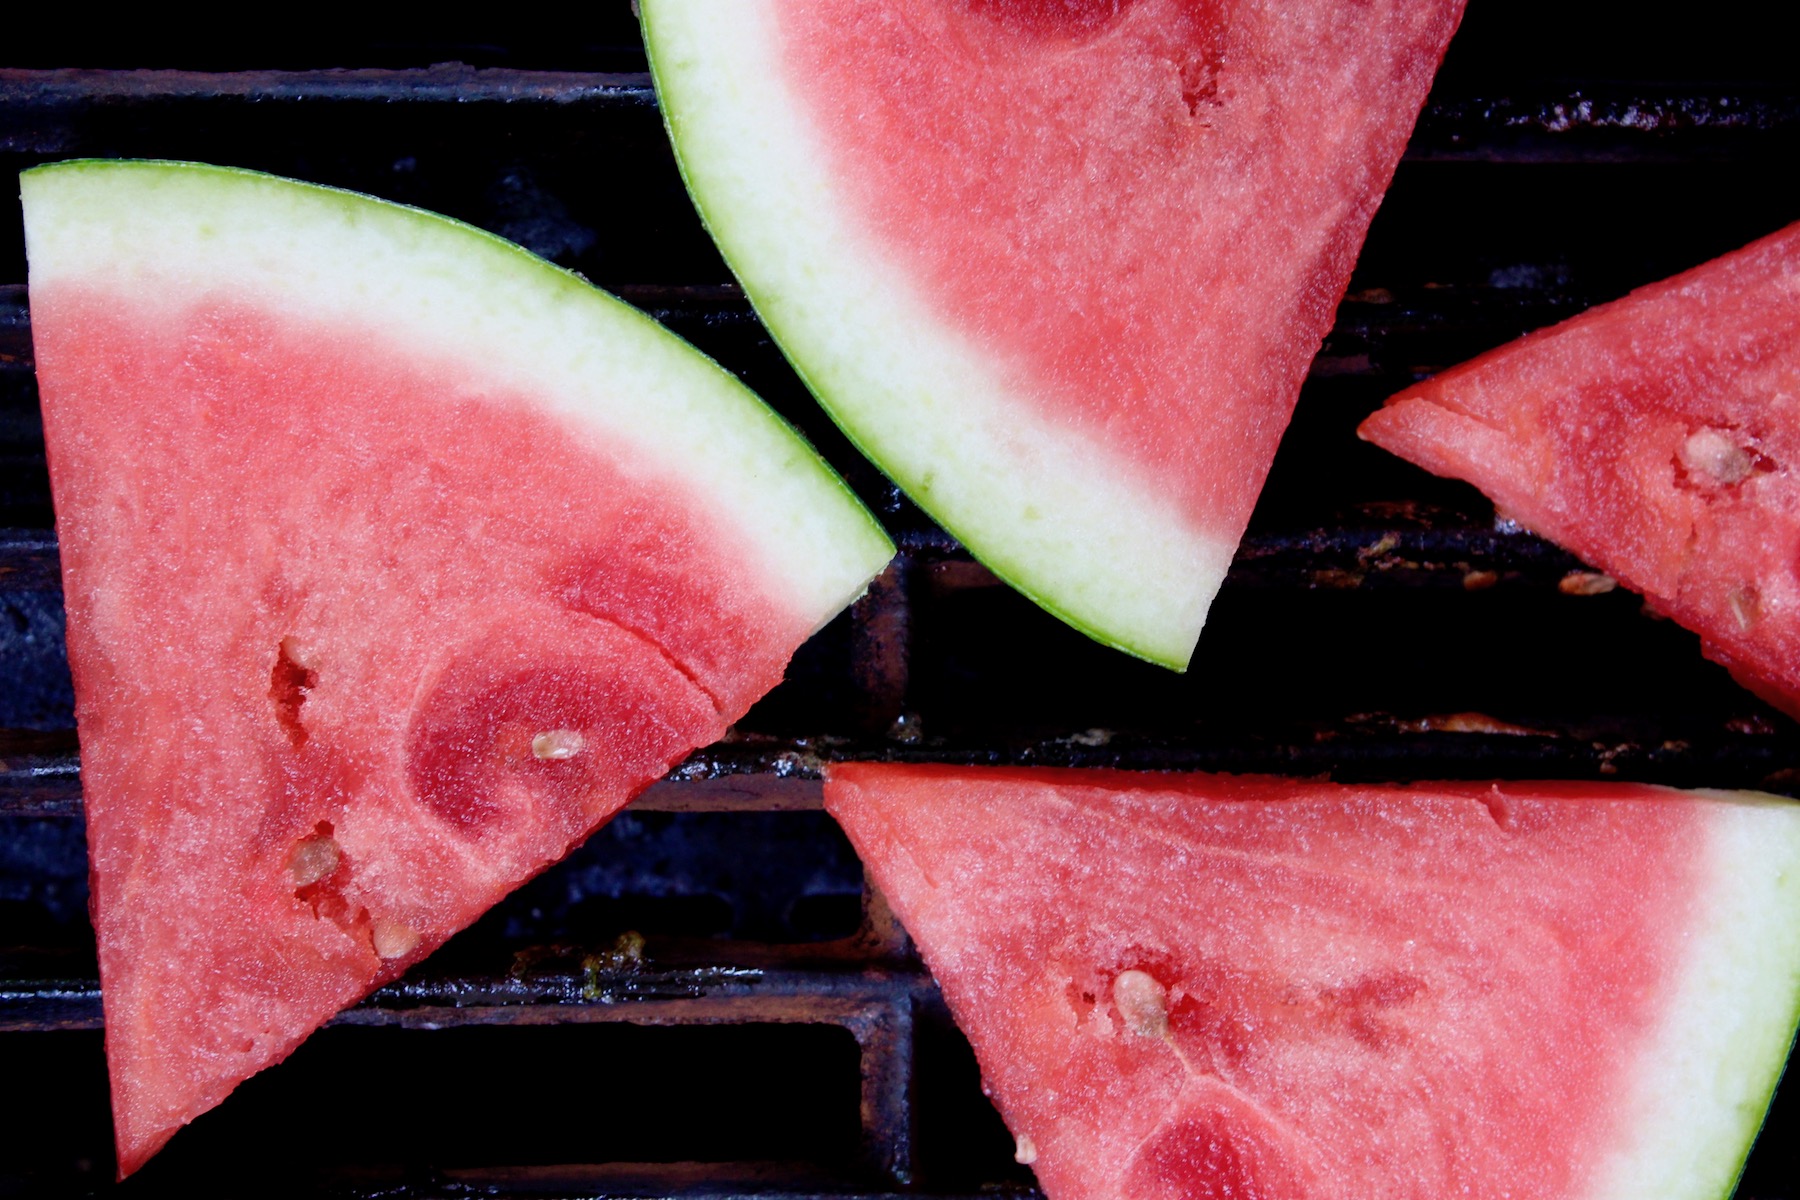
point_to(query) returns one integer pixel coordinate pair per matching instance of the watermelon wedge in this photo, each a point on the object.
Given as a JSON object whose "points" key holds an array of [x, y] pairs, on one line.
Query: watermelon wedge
{"points": [[1057, 267], [396, 560], [1182, 987], [1658, 437]]}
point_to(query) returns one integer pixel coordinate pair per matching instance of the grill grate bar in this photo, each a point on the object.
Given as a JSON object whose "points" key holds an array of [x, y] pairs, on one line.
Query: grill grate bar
{"points": [[1592, 124], [874, 1003], [872, 989], [445, 83], [1364, 747]]}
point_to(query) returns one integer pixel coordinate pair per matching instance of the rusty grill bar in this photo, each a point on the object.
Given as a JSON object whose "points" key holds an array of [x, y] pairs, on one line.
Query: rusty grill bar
{"points": [[1376, 624]]}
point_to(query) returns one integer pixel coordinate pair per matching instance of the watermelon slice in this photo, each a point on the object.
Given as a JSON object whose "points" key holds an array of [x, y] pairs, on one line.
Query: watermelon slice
{"points": [[1057, 266], [1658, 437], [396, 560], [1182, 987]]}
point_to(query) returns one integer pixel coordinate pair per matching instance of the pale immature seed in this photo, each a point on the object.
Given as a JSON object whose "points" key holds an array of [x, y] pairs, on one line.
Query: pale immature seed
{"points": [[391, 938], [1025, 1151], [1716, 457], [1746, 605], [557, 745], [1143, 1003], [313, 859]]}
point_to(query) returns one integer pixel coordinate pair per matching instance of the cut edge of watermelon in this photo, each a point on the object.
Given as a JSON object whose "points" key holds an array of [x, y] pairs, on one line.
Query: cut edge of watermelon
{"points": [[1428, 432], [1733, 1016], [461, 294], [1051, 514]]}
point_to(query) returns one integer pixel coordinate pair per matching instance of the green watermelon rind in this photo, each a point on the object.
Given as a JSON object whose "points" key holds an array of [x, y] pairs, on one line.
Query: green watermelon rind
{"points": [[122, 222], [1079, 579], [1748, 964]]}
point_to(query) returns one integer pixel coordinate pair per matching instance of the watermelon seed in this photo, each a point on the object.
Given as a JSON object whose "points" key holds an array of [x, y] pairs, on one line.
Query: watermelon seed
{"points": [[557, 745], [313, 859], [1025, 1150], [1143, 1002], [391, 938], [1746, 605], [1716, 456]]}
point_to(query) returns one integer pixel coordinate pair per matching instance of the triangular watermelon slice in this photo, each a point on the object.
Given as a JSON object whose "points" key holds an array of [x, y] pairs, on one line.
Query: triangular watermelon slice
{"points": [[1057, 266], [1191, 987], [396, 560], [1658, 437]]}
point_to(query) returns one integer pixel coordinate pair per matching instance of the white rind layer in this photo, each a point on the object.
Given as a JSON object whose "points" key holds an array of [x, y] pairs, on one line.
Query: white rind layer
{"points": [[174, 234], [1044, 508], [1698, 1102]]}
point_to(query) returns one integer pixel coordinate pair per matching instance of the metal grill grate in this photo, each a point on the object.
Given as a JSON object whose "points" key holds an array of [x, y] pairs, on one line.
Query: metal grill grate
{"points": [[703, 1002]]}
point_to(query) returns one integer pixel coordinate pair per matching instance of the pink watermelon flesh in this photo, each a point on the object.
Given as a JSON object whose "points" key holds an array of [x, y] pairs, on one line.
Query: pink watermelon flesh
{"points": [[322, 601], [1147, 210], [1658, 438], [1191, 987]]}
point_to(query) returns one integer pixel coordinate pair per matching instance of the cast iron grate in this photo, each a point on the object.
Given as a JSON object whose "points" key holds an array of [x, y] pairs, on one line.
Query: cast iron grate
{"points": [[656, 1018]]}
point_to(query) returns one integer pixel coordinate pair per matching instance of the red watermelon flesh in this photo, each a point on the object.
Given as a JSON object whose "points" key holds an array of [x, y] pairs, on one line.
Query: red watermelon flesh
{"points": [[1658, 438], [372, 613], [1191, 987], [1059, 268]]}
